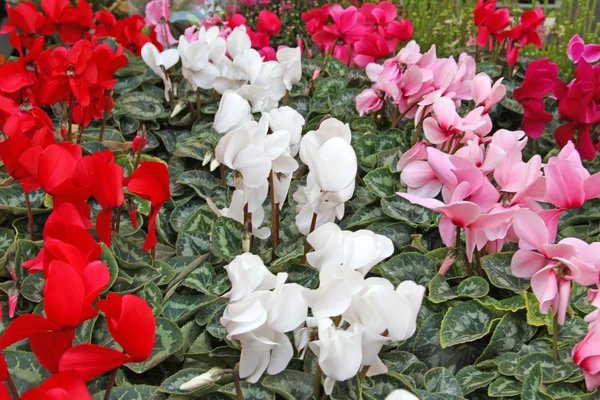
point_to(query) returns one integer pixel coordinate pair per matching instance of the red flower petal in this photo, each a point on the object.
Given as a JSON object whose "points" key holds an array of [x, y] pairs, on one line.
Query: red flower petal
{"points": [[91, 360], [49, 355]]}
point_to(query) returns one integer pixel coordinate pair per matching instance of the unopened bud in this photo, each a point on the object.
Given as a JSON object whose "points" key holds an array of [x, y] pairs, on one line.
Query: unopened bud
{"points": [[139, 142], [207, 158], [211, 376], [214, 164]]}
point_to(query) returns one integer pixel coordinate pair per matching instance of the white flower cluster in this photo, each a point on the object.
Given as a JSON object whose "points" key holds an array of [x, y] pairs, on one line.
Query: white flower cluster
{"points": [[353, 316], [330, 183], [232, 68], [256, 154]]}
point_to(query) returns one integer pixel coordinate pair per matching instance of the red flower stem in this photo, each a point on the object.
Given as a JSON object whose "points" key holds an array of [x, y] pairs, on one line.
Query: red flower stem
{"points": [[29, 217], [236, 381], [286, 100], [111, 383], [313, 224], [69, 137], [104, 117], [274, 215], [164, 26], [153, 252], [417, 132], [79, 134], [329, 52], [399, 118], [478, 262], [13, 388], [350, 55]]}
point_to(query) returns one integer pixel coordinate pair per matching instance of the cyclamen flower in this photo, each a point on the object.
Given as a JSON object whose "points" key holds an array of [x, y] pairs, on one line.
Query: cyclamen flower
{"points": [[159, 63], [578, 50], [69, 385], [587, 356]]}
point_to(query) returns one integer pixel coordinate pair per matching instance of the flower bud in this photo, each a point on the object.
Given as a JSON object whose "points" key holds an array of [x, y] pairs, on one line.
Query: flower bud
{"points": [[211, 376]]}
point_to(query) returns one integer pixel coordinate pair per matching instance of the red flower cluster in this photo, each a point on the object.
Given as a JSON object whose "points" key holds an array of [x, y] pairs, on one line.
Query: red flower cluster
{"points": [[359, 36], [578, 104], [267, 26], [493, 24]]}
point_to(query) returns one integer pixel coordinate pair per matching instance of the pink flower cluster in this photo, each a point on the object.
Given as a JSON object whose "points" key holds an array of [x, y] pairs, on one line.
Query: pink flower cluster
{"points": [[358, 36], [493, 32], [430, 90], [578, 100], [488, 190]]}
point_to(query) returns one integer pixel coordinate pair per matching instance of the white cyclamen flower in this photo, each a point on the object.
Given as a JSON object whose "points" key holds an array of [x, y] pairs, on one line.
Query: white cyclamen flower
{"points": [[337, 286], [360, 250], [287, 119], [160, 62], [195, 62], [329, 156], [339, 352], [290, 66], [233, 112], [247, 273], [236, 211]]}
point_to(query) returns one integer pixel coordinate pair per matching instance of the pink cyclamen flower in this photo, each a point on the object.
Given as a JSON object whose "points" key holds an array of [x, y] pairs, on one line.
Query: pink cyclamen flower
{"points": [[578, 50], [369, 49], [484, 93], [553, 266], [568, 182], [368, 101], [586, 354], [268, 54], [157, 11]]}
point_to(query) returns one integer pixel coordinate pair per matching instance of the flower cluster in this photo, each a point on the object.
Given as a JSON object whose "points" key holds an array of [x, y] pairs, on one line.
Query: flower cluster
{"points": [[353, 317], [578, 100], [430, 90], [495, 31], [358, 36], [268, 25]]}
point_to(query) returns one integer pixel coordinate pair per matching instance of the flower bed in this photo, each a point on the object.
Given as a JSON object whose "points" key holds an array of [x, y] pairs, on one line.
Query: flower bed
{"points": [[200, 211]]}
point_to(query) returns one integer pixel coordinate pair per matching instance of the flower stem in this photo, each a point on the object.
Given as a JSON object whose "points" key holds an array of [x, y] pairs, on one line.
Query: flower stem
{"points": [[104, 117], [236, 381], [555, 337], [247, 233], [478, 262], [274, 215], [29, 217], [118, 220], [111, 383], [313, 224], [138, 154], [286, 100], [198, 102], [398, 118], [417, 132], [317, 382], [13, 388], [79, 134], [223, 175]]}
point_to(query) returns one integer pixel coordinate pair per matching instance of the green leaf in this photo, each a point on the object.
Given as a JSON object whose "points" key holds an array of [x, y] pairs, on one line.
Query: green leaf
{"points": [[172, 384], [440, 291], [128, 253], [33, 287], [182, 307], [142, 106], [135, 392], [201, 220], [335, 67], [152, 294], [329, 87], [471, 378], [227, 238], [497, 268], [193, 244], [493, 70], [26, 250], [564, 391], [168, 341], [505, 387], [531, 385], [509, 336], [291, 385], [440, 380], [366, 215], [399, 233], [300, 104], [473, 287], [552, 370], [182, 213], [12, 199], [465, 322], [301, 274], [84, 332], [106, 256], [201, 181], [513, 303], [24, 369], [403, 210], [534, 315], [250, 391], [409, 266], [458, 268], [382, 182]]}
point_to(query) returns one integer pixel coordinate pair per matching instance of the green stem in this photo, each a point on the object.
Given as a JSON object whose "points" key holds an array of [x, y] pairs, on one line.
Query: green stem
{"points": [[317, 383], [104, 117]]}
